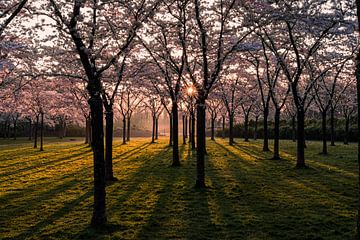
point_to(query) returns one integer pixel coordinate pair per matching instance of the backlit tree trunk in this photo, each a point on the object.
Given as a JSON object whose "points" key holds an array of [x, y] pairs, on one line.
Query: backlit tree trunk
{"points": [[200, 144], [30, 129], [171, 130], [231, 126], [124, 130], [246, 126], [256, 127], [193, 121], [128, 128], [153, 129], [184, 130], [347, 126], [212, 128], [176, 160], [293, 127]]}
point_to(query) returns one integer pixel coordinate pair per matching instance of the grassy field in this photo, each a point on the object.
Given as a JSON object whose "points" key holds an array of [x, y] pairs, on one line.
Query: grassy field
{"points": [[48, 195]]}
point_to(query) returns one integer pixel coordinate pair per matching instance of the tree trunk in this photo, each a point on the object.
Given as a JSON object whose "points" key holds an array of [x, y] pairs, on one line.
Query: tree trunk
{"points": [[156, 128], [300, 157], [184, 130], [171, 130], [153, 129], [200, 144], [212, 128], [42, 133], [323, 130], [87, 131], [97, 132], [193, 120], [64, 129], [186, 127], [124, 130], [231, 126], [109, 128], [293, 126], [246, 126], [332, 126], [347, 126], [128, 128], [277, 135], [357, 74], [36, 131], [266, 136], [176, 160], [30, 129], [256, 127]]}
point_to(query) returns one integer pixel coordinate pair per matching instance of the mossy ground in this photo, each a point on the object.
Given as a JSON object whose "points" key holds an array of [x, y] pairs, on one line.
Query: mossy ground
{"points": [[48, 195]]}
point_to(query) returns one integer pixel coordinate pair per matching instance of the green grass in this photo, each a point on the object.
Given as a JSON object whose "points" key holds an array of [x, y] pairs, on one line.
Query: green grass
{"points": [[48, 195]]}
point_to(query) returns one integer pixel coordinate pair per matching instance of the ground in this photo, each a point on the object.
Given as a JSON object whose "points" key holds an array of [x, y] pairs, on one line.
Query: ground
{"points": [[48, 195]]}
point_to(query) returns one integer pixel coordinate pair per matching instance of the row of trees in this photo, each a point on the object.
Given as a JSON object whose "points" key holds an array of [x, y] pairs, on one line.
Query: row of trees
{"points": [[294, 57]]}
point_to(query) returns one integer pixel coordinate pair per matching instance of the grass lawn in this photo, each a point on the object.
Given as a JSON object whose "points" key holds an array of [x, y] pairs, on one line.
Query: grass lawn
{"points": [[48, 195]]}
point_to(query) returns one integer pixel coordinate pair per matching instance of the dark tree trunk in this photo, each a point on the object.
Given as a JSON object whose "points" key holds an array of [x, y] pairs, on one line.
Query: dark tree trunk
{"points": [[184, 130], [30, 129], [246, 126], [193, 121], [256, 127], [36, 127], [190, 128], [97, 132], [186, 127], [212, 128], [200, 144], [109, 128], [266, 136], [171, 130], [231, 127], [332, 126], [300, 157], [323, 130], [223, 127], [347, 126], [153, 129], [156, 128], [277, 135], [87, 131], [293, 126], [357, 74], [124, 130], [42, 132], [128, 128], [176, 159]]}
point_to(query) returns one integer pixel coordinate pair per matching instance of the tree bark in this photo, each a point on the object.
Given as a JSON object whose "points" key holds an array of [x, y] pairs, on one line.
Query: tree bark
{"points": [[277, 135], [109, 128], [153, 129], [193, 121], [36, 131], [332, 126], [184, 130], [231, 126], [97, 132], [300, 157], [42, 132], [266, 136], [87, 125], [176, 160], [323, 130], [186, 127], [156, 128], [128, 128], [200, 144], [357, 74], [15, 127], [124, 130], [171, 130]]}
